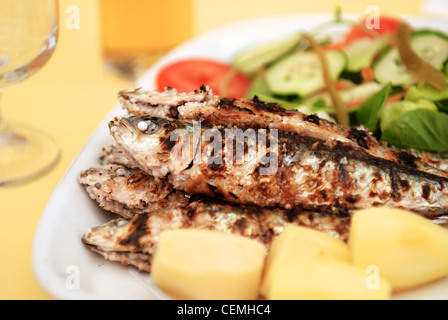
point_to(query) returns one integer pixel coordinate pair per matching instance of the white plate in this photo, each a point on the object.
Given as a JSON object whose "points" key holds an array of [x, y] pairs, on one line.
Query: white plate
{"points": [[63, 266]]}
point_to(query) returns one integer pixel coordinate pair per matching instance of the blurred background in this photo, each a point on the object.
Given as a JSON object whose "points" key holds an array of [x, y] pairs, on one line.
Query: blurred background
{"points": [[70, 96]]}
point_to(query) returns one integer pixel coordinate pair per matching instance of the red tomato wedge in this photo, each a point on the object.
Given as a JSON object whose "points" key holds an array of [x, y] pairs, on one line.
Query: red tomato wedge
{"points": [[387, 25], [189, 74]]}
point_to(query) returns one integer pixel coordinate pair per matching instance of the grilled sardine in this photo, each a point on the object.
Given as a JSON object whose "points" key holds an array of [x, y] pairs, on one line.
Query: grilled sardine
{"points": [[134, 241], [309, 173], [202, 105]]}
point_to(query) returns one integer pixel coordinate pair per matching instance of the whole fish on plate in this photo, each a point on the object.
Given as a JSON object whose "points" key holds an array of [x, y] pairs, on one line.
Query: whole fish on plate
{"points": [[287, 170], [134, 241], [202, 105]]}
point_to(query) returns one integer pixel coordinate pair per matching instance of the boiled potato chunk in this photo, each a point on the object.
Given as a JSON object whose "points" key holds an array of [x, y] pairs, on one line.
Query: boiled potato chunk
{"points": [[296, 241], [325, 279], [194, 264], [408, 249]]}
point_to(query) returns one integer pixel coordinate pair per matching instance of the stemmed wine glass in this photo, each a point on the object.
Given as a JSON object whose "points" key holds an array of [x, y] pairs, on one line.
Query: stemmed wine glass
{"points": [[28, 38]]}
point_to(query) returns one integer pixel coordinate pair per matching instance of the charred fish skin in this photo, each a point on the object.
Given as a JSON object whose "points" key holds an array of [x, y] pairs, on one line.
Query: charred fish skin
{"points": [[120, 239], [202, 105], [311, 173], [133, 241], [102, 241], [164, 104], [128, 191]]}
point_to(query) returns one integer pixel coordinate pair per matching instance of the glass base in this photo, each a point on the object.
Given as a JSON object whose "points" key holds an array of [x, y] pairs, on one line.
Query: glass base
{"points": [[25, 153], [131, 66]]}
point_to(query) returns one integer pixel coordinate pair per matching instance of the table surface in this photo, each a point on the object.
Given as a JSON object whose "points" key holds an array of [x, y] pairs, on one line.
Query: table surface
{"points": [[69, 98]]}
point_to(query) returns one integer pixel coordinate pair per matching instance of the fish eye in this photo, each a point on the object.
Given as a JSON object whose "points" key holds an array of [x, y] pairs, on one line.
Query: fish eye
{"points": [[148, 126]]}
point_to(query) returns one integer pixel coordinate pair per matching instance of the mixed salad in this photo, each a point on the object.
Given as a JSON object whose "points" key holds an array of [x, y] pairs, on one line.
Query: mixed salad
{"points": [[391, 80]]}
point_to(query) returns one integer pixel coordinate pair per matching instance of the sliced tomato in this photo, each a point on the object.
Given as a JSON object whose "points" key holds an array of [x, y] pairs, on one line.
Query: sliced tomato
{"points": [[189, 74], [387, 25]]}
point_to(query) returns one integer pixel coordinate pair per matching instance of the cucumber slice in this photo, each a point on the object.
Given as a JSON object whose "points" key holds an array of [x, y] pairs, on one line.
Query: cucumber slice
{"points": [[250, 60], [431, 47], [361, 52], [301, 72], [358, 93], [258, 87], [426, 92]]}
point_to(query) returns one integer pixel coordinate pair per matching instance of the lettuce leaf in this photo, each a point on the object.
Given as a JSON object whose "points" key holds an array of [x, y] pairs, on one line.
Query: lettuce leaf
{"points": [[426, 92], [369, 112], [420, 129]]}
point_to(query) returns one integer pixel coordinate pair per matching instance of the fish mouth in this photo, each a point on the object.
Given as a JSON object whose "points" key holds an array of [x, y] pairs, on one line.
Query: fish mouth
{"points": [[145, 125], [136, 125]]}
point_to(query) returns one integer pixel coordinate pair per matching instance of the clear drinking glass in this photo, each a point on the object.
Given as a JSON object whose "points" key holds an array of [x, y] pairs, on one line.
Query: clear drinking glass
{"points": [[137, 33], [28, 38]]}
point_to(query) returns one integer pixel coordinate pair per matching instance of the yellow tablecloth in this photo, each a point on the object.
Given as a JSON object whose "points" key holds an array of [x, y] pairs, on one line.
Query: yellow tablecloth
{"points": [[72, 94]]}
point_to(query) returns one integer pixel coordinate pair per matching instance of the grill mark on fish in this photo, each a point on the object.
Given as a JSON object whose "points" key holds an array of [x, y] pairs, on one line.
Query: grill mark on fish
{"points": [[215, 166], [313, 119], [322, 164], [405, 185], [407, 159], [394, 183], [359, 136], [174, 113], [168, 143], [233, 195], [291, 216], [229, 103], [190, 213], [139, 229], [426, 189], [269, 107], [267, 236], [353, 199], [241, 224], [343, 173]]}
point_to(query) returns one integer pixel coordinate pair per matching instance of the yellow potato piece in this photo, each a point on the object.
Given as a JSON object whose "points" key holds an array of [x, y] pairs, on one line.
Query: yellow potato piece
{"points": [[408, 249], [296, 241], [195, 264], [325, 279]]}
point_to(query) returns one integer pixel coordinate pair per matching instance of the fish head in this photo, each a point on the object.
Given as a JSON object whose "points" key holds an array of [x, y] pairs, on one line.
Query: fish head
{"points": [[156, 145]]}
